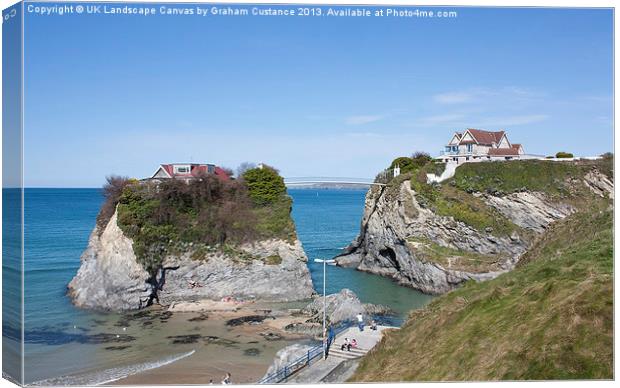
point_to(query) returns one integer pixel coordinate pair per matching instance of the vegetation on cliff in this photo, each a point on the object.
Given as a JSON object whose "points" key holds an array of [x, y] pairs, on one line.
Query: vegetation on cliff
{"points": [[201, 215], [455, 259], [446, 199], [550, 318], [553, 178], [561, 181]]}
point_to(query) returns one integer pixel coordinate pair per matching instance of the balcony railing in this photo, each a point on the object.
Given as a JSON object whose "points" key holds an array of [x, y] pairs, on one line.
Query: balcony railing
{"points": [[454, 153]]}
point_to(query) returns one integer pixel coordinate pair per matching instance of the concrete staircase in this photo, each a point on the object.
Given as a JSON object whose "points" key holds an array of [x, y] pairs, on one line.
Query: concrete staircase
{"points": [[321, 370], [354, 353]]}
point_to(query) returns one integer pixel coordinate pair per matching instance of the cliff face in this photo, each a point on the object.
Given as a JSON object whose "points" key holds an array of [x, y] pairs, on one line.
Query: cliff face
{"points": [[417, 246], [219, 275], [110, 278]]}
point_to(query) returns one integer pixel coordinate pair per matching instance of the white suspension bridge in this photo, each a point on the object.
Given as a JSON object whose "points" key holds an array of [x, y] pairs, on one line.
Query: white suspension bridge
{"points": [[329, 181]]}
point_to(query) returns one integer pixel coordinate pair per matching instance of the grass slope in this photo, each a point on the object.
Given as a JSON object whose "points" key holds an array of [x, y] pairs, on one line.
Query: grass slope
{"points": [[550, 318], [552, 178]]}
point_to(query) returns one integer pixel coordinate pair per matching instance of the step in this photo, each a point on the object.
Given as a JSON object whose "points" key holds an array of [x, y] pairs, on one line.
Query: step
{"points": [[341, 356], [345, 354], [353, 350]]}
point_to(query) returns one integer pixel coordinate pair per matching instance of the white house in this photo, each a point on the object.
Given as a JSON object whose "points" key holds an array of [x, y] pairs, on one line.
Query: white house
{"points": [[476, 145]]}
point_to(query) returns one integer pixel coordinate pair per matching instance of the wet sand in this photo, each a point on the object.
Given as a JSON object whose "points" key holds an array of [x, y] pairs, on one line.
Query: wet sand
{"points": [[200, 368], [244, 347]]}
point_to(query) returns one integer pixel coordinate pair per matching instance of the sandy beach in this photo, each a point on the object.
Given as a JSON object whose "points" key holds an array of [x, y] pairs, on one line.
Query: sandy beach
{"points": [[238, 338]]}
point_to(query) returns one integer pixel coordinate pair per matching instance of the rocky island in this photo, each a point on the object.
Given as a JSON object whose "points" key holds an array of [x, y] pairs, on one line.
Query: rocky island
{"points": [[207, 238]]}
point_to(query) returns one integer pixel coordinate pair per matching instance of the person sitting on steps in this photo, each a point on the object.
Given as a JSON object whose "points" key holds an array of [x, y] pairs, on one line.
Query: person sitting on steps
{"points": [[345, 344]]}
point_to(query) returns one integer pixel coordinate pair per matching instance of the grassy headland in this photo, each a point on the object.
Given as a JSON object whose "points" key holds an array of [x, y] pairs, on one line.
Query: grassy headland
{"points": [[549, 318], [552, 178], [560, 181]]}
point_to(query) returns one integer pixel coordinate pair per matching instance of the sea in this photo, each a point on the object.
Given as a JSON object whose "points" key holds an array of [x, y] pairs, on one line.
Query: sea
{"points": [[65, 345]]}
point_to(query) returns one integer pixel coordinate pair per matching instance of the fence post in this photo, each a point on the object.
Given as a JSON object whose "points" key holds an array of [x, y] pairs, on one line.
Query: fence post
{"points": [[286, 372]]}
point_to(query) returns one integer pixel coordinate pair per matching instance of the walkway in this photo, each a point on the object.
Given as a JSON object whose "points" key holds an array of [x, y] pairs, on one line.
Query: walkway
{"points": [[447, 173], [318, 371]]}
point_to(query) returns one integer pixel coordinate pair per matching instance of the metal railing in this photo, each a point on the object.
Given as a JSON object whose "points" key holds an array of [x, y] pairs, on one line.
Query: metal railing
{"points": [[289, 369], [458, 153]]}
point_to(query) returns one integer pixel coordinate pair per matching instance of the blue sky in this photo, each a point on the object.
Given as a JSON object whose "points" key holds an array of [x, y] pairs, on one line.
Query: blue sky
{"points": [[312, 96]]}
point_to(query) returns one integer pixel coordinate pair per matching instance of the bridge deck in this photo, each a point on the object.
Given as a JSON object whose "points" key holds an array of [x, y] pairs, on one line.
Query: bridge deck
{"points": [[335, 181]]}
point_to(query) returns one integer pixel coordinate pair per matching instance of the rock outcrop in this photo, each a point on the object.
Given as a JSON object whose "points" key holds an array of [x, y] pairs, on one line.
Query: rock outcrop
{"points": [[110, 277], [529, 210], [393, 225], [599, 183], [218, 275], [342, 306]]}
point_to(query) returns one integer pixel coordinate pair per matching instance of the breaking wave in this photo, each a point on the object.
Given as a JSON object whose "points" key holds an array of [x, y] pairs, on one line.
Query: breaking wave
{"points": [[109, 375]]}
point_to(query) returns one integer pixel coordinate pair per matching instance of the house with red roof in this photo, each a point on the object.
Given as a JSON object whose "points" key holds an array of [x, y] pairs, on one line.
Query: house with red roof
{"points": [[477, 145], [187, 171]]}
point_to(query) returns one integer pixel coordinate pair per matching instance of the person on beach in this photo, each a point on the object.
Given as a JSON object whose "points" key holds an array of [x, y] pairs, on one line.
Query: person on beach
{"points": [[226, 379], [373, 325], [360, 321]]}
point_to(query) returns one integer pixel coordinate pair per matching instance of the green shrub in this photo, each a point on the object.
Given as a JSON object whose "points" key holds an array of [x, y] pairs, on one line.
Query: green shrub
{"points": [[172, 216], [405, 163], [264, 184], [421, 159], [408, 166], [112, 191], [562, 154]]}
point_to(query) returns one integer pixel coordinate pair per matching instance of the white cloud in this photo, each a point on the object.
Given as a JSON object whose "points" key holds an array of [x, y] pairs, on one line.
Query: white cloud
{"points": [[454, 97], [480, 95], [442, 119], [360, 120], [362, 134], [512, 120], [477, 120]]}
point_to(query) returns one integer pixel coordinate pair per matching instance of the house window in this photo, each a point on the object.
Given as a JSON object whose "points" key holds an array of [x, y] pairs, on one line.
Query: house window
{"points": [[181, 169], [469, 147]]}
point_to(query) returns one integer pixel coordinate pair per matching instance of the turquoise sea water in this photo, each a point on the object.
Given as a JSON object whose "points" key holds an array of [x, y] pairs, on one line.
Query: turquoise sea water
{"points": [[58, 222], [327, 221]]}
